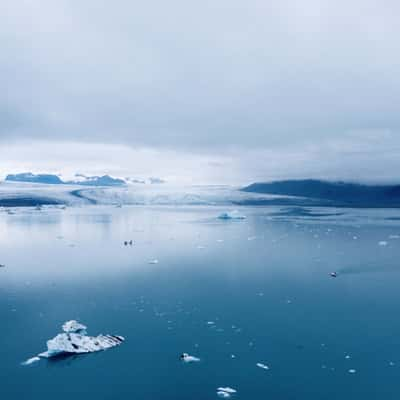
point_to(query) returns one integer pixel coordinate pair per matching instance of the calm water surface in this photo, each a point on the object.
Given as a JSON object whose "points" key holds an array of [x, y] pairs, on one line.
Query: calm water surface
{"points": [[264, 283]]}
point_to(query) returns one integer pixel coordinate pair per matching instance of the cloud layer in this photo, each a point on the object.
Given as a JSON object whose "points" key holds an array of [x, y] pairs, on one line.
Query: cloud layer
{"points": [[211, 77]]}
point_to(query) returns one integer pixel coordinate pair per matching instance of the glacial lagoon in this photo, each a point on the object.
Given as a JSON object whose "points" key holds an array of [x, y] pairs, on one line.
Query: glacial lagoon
{"points": [[252, 298]]}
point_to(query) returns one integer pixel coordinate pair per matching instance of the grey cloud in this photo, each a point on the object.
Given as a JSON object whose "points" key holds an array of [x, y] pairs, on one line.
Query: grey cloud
{"points": [[198, 74]]}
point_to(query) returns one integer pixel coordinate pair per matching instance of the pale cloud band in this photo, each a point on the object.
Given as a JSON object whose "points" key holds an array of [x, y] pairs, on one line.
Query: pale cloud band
{"points": [[208, 84]]}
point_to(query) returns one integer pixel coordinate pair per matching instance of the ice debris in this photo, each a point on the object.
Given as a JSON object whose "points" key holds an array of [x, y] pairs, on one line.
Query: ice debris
{"points": [[74, 327], [153, 261], [185, 357], [75, 341], [30, 361], [231, 215], [225, 392], [383, 243], [263, 366]]}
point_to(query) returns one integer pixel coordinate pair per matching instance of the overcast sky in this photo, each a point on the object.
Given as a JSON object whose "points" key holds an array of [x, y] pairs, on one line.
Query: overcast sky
{"points": [[222, 90]]}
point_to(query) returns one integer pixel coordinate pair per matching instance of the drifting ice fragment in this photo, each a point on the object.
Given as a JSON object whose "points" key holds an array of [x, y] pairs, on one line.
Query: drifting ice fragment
{"points": [[231, 215], [153, 261], [74, 327], [352, 371], [383, 243], [263, 366], [225, 392], [30, 361], [185, 357], [75, 341]]}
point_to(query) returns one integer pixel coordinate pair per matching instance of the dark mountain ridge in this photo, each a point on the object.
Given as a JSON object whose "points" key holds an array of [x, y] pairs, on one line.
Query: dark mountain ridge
{"points": [[339, 194]]}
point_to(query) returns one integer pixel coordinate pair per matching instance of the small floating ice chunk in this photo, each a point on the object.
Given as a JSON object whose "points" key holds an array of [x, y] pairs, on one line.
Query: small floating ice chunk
{"points": [[263, 366], [74, 327], [394, 237], [225, 392], [352, 371], [153, 261], [231, 215], [383, 243], [186, 358], [30, 361]]}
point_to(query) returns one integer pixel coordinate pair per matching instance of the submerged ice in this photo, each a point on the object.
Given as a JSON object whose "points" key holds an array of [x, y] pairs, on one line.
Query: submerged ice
{"points": [[75, 341], [231, 215]]}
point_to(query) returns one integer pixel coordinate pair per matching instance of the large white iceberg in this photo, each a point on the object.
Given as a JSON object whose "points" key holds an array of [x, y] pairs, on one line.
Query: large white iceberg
{"points": [[75, 341]]}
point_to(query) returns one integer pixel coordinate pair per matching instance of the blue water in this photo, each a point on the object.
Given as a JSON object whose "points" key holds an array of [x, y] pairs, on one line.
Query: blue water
{"points": [[263, 281]]}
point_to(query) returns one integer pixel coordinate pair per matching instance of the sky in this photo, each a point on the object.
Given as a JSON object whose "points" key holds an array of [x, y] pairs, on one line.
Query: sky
{"points": [[220, 91]]}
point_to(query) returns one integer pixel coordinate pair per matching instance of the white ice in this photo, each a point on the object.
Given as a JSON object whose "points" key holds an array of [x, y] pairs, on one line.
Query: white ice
{"points": [[263, 366], [223, 395], [189, 359], [75, 341], [30, 361], [226, 390], [73, 327]]}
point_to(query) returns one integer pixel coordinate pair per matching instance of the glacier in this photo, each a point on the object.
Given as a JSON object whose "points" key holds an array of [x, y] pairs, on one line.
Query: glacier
{"points": [[17, 194]]}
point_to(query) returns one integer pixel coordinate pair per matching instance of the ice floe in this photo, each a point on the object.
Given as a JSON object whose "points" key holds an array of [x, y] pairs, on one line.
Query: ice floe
{"points": [[225, 392], [186, 358], [31, 360], [262, 366], [75, 341]]}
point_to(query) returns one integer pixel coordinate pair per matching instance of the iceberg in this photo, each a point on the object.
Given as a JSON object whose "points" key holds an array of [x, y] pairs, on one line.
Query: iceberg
{"points": [[225, 392], [231, 215], [185, 357], [75, 341]]}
